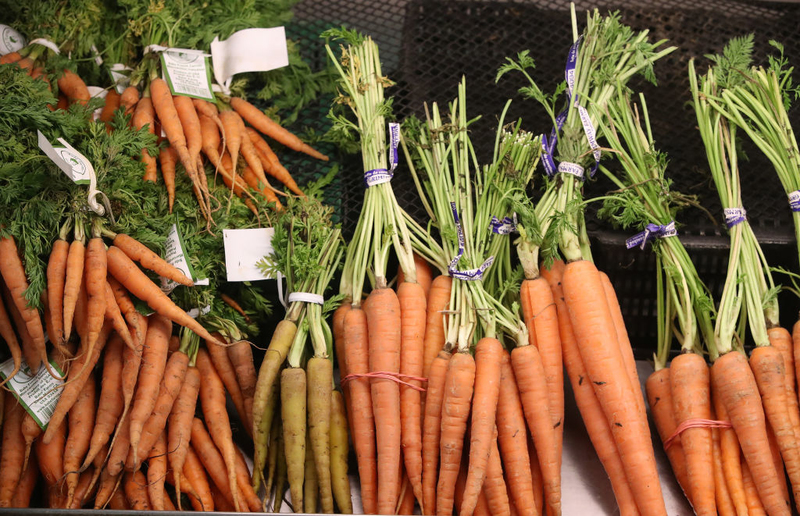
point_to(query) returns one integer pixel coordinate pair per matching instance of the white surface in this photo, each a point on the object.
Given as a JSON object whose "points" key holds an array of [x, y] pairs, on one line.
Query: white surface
{"points": [[244, 248], [249, 50]]}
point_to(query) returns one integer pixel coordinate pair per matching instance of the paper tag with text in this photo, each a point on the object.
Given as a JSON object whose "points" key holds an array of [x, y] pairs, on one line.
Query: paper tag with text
{"points": [[97, 91], [38, 393], [175, 255], [244, 248], [249, 50], [71, 162], [187, 73], [10, 40], [120, 76]]}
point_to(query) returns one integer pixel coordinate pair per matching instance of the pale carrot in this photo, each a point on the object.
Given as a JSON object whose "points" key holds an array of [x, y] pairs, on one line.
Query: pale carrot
{"points": [[294, 402], [320, 387]]}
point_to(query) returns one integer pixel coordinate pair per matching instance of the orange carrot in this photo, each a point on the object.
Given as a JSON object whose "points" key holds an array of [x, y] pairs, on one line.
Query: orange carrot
{"points": [[754, 505], [111, 402], [495, 486], [270, 163], [11, 452], [191, 125], [25, 487], [151, 372], [11, 57], [10, 338], [95, 284], [139, 252], [691, 399], [109, 494], [126, 272], [488, 355], [13, 274], [781, 340], [438, 300], [456, 403], [230, 123], [51, 457], [112, 103], [28, 348], [723, 497], [734, 383], [114, 314], [129, 98], [600, 350], [179, 424], [134, 318], [168, 158], [536, 478], [120, 446], [195, 474], [263, 187], [424, 274], [30, 432], [511, 437], [357, 359], [245, 488], [241, 356], [136, 491], [212, 400], [224, 367], [73, 280], [56, 276], [157, 473], [431, 429], [81, 421], [267, 126], [73, 87], [144, 116], [730, 457], [63, 103], [204, 449]]}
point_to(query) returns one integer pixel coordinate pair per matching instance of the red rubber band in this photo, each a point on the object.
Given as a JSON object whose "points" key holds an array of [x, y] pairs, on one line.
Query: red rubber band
{"points": [[695, 423], [386, 375]]}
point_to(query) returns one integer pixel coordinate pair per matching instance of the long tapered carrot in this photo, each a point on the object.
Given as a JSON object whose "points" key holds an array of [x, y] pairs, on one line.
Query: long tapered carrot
{"points": [[168, 158], [495, 486], [120, 446], [224, 367], [128, 274], [264, 187], [25, 487], [138, 252], [51, 458], [128, 99], [246, 491], [340, 483], [356, 347], [320, 387], [13, 274], [691, 399], [212, 400], [73, 87], [754, 505], [438, 300], [144, 116], [81, 421], [233, 135], [30, 432], [73, 280], [659, 397], [190, 123], [106, 490], [730, 457], [56, 276], [294, 402], [781, 339], [28, 349], [179, 423], [114, 314], [723, 497], [241, 356], [112, 103], [269, 127], [512, 440], [203, 446], [249, 152], [270, 162], [164, 106], [195, 475], [132, 316], [768, 370], [595, 333], [737, 389], [488, 356], [157, 473], [13, 446], [432, 430], [456, 404], [384, 327], [411, 297], [10, 338]]}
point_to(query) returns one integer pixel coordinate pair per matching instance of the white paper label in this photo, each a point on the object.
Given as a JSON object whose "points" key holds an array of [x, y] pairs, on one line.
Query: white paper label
{"points": [[71, 162], [38, 393], [120, 76], [186, 72], [244, 248], [96, 91], [194, 313], [10, 40], [175, 255], [249, 50]]}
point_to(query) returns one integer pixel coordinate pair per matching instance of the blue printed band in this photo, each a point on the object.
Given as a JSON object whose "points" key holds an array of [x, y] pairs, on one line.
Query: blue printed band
{"points": [[652, 231], [379, 176], [794, 200], [504, 226], [734, 216], [470, 274]]}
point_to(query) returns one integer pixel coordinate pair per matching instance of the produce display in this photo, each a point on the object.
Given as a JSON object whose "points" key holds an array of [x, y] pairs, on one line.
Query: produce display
{"points": [[406, 364]]}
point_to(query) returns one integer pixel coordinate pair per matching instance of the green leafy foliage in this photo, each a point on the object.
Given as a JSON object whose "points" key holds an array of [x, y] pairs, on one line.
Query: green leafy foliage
{"points": [[732, 66]]}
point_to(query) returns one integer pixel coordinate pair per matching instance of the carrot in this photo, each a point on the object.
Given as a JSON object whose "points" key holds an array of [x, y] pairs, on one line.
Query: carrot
{"points": [[723, 497], [730, 457], [168, 158], [138, 252], [488, 353], [51, 457], [144, 116], [230, 123], [411, 297], [320, 386], [272, 460], [339, 455], [204, 449], [129, 98], [179, 423], [136, 491], [157, 473], [431, 429], [600, 350], [310, 482], [205, 108], [56, 276], [458, 390], [511, 437], [659, 397], [267, 126], [13, 274], [406, 503], [114, 314], [341, 360], [95, 284], [120, 446], [754, 505], [263, 187], [249, 152], [270, 163], [63, 103], [112, 103], [294, 401], [30, 432], [738, 392], [11, 453], [28, 349], [195, 474], [424, 274], [151, 373], [81, 421], [536, 477], [82, 490], [168, 390], [461, 482], [224, 367], [11, 57], [25, 487], [251, 499], [438, 300], [241, 356], [495, 486], [79, 374], [126, 272], [212, 400], [781, 340], [73, 87], [191, 125], [542, 321], [280, 476], [73, 280], [10, 338], [279, 345], [170, 122], [134, 318], [211, 140], [109, 494]]}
